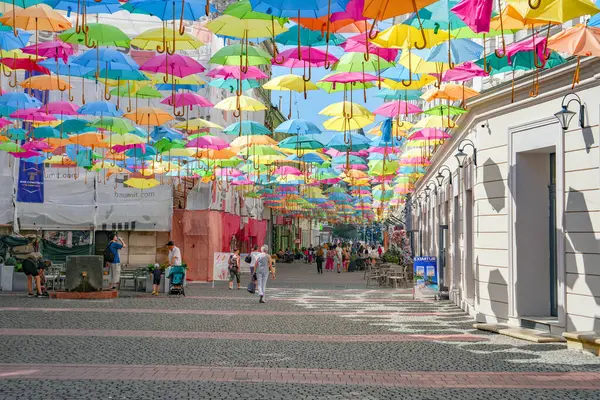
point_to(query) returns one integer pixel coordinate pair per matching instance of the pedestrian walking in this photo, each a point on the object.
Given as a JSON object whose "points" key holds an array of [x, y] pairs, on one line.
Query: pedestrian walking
{"points": [[263, 265], [111, 255], [338, 258], [329, 258], [234, 269], [320, 258]]}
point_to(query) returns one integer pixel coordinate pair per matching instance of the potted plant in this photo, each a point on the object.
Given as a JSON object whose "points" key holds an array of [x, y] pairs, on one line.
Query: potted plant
{"points": [[8, 271], [19, 281]]}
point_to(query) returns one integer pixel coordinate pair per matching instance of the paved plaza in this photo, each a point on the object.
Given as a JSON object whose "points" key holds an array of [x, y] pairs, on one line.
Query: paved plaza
{"points": [[318, 337]]}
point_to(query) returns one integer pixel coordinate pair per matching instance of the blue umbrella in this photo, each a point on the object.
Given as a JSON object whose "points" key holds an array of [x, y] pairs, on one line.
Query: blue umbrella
{"points": [[354, 142], [379, 156], [247, 128], [307, 37], [140, 154], [231, 84], [160, 132], [82, 156], [105, 55], [388, 94], [307, 158], [461, 50], [63, 68], [139, 131], [399, 73], [16, 134], [178, 86], [304, 142], [75, 126], [8, 41], [89, 6], [342, 160], [19, 100], [100, 108], [298, 127], [296, 8], [45, 132], [166, 10]]}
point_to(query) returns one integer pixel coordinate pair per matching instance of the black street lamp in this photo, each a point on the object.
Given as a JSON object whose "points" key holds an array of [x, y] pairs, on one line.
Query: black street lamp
{"points": [[565, 115], [461, 156], [440, 175]]}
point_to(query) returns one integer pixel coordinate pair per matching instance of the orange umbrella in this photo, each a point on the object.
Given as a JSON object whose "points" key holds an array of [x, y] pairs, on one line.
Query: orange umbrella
{"points": [[340, 26], [149, 116], [45, 82], [450, 91], [58, 142], [211, 154], [91, 139], [579, 40], [40, 17]]}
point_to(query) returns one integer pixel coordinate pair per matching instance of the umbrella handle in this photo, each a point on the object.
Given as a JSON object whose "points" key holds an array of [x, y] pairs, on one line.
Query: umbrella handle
{"points": [[420, 47], [4, 67], [13, 83], [181, 25], [162, 48], [299, 47], [498, 54], [14, 16], [207, 8], [367, 55], [534, 5], [275, 51], [107, 95], [410, 79], [237, 113], [535, 89]]}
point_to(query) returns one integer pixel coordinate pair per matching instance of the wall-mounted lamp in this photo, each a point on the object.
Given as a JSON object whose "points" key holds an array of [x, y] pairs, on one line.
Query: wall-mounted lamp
{"points": [[427, 188], [565, 115], [440, 175], [461, 156]]}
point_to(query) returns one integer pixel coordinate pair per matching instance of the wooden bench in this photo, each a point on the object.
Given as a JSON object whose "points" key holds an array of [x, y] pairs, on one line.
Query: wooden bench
{"points": [[589, 341]]}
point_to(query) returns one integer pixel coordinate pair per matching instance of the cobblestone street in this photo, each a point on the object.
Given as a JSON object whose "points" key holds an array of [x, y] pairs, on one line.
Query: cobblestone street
{"points": [[318, 337]]}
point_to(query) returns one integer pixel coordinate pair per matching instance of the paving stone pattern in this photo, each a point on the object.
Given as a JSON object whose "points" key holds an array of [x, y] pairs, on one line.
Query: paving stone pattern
{"points": [[318, 337]]}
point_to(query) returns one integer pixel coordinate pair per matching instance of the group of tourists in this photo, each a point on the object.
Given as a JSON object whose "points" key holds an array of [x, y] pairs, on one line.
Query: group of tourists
{"points": [[261, 265]]}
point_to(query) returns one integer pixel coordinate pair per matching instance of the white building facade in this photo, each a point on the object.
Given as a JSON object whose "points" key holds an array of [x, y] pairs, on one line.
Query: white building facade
{"points": [[517, 231]]}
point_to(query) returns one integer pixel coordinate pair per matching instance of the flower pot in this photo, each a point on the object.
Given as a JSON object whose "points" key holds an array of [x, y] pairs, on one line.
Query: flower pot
{"points": [[19, 282], [6, 277]]}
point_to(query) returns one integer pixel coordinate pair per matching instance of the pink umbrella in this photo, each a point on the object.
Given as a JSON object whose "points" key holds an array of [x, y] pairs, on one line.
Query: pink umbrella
{"points": [[358, 44], [120, 148], [395, 108], [348, 77], [353, 11], [4, 122], [32, 114], [61, 107], [231, 172], [464, 72], [36, 145], [428, 134], [475, 13], [537, 43], [287, 171], [360, 167], [25, 154], [176, 65], [310, 57], [242, 182], [208, 142], [54, 49], [229, 71], [186, 99]]}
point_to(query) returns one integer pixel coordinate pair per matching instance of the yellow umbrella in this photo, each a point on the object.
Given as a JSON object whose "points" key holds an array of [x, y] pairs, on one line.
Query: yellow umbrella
{"points": [[424, 80], [291, 83], [435, 121], [354, 174], [197, 124], [418, 65], [237, 104], [244, 28], [140, 183], [45, 82], [125, 139], [165, 39], [179, 152], [346, 109], [343, 124], [251, 140], [187, 80], [400, 35], [561, 11]]}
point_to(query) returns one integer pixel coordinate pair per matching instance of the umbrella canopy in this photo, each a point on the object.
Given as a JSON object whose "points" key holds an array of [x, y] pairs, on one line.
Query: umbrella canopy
{"points": [[303, 9], [39, 17], [243, 103], [96, 35], [177, 65], [247, 128], [157, 38], [149, 116], [298, 127]]}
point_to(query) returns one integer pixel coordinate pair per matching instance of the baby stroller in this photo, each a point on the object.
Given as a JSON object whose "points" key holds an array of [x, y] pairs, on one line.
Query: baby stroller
{"points": [[176, 279]]}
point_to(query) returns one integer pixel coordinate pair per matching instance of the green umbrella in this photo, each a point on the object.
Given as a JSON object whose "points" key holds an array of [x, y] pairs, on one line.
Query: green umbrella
{"points": [[355, 62], [75, 126], [97, 35], [45, 132], [113, 124], [231, 84], [305, 142], [165, 144], [146, 92], [10, 146], [331, 87], [445, 110], [230, 55], [243, 10]]}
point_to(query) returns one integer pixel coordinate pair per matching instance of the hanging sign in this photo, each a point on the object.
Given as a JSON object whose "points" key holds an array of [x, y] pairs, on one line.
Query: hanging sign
{"points": [[30, 188]]}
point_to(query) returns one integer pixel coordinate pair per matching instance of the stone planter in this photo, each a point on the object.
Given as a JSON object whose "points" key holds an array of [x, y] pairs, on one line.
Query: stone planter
{"points": [[19, 282], [6, 277], [161, 288]]}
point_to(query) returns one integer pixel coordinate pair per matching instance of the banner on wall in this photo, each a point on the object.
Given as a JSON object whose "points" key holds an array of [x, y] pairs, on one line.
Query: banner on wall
{"points": [[426, 272], [30, 188]]}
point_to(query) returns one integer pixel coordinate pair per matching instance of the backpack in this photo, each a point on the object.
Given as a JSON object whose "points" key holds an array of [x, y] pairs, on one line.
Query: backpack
{"points": [[109, 256]]}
